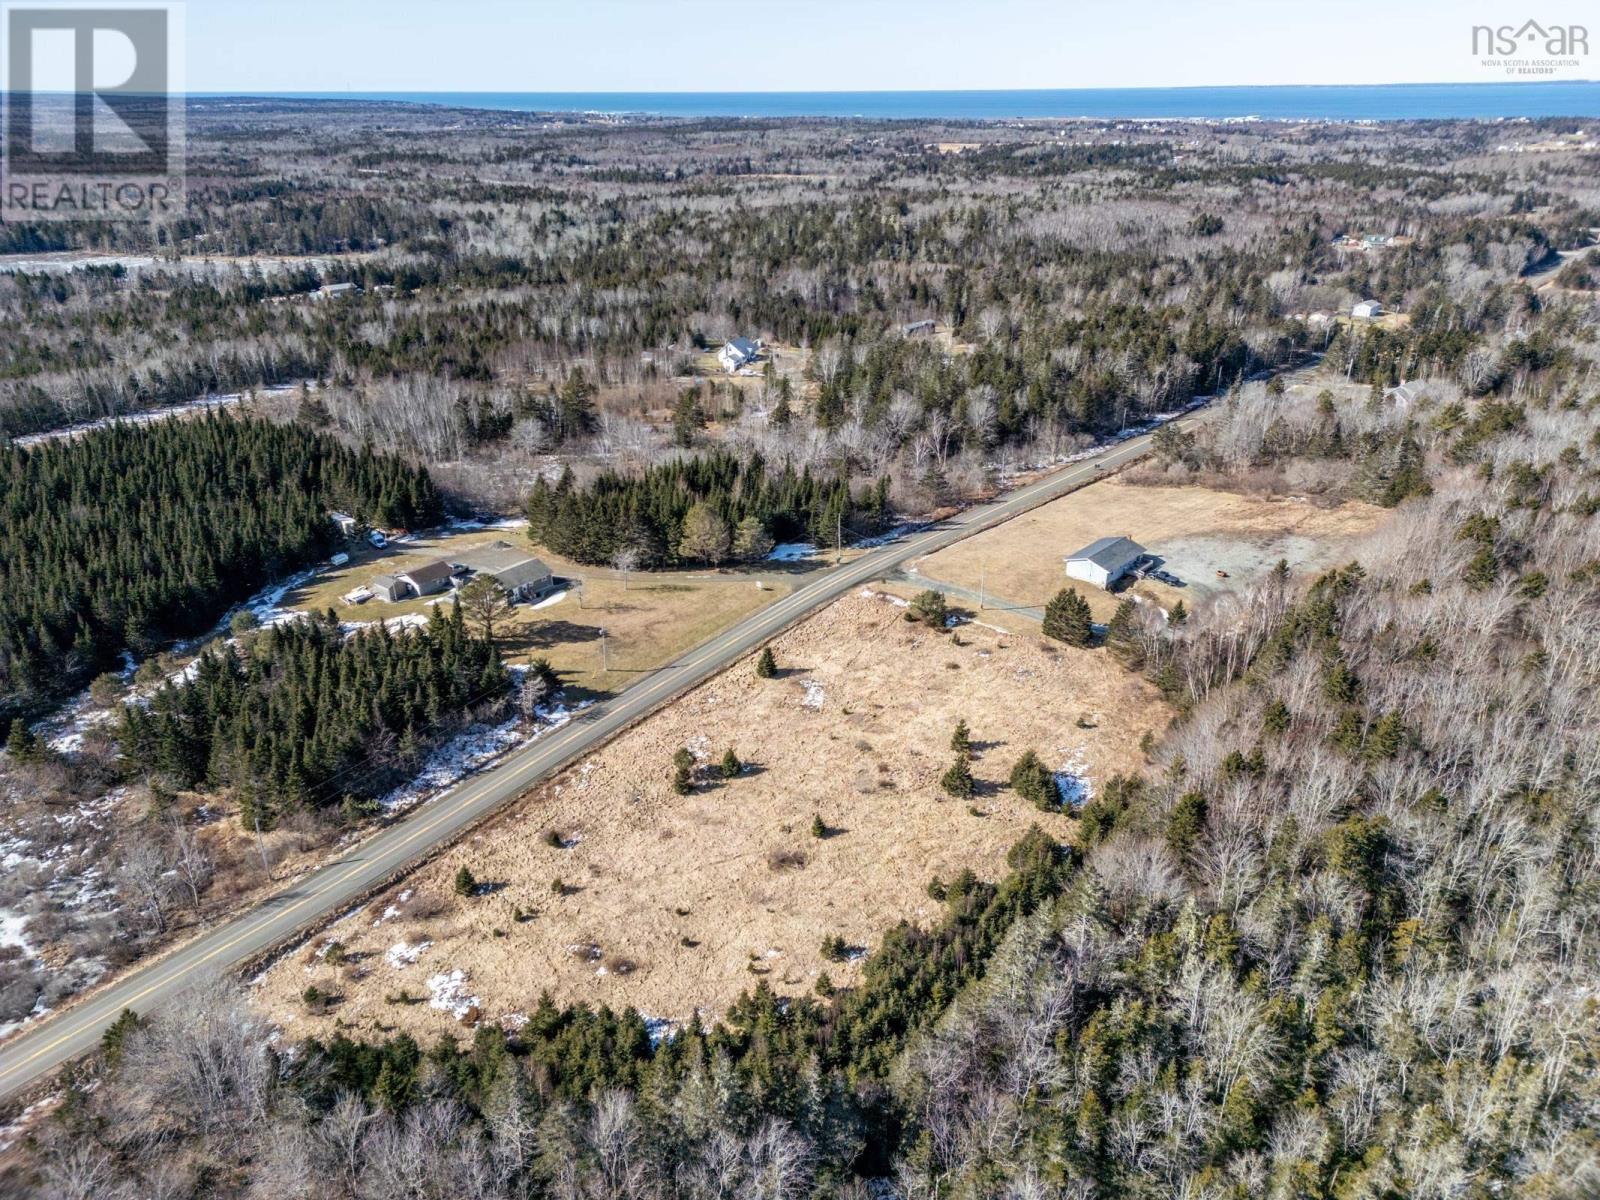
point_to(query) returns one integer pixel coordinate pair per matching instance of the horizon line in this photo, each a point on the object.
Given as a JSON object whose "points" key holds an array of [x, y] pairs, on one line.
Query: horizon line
{"points": [[598, 91]]}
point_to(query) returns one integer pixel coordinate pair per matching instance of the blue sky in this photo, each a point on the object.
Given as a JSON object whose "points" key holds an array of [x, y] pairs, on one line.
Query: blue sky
{"points": [[721, 45]]}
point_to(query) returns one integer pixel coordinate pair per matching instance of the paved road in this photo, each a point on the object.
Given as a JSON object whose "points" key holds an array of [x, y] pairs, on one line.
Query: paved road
{"points": [[77, 1029]]}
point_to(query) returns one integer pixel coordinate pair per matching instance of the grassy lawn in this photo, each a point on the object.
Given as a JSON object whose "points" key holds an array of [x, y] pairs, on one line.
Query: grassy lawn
{"points": [[649, 621]]}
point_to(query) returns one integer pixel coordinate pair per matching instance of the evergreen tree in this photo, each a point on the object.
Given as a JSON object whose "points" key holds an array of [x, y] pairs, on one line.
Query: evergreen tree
{"points": [[1067, 618], [766, 664], [958, 779], [929, 607], [1035, 782], [682, 771]]}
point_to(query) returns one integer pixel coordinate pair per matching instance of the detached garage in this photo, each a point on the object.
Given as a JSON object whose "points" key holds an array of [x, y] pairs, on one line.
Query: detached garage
{"points": [[1104, 561]]}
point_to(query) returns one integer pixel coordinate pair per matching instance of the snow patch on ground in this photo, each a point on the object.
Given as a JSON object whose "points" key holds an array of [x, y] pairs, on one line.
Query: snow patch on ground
{"points": [[465, 524], [814, 694], [660, 1029], [448, 991], [12, 1133], [403, 954], [897, 601], [552, 599], [392, 911], [470, 752], [12, 932], [791, 551], [892, 535], [1072, 779]]}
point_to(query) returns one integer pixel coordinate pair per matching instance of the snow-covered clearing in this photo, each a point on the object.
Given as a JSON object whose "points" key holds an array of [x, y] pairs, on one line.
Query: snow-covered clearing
{"points": [[791, 552]]}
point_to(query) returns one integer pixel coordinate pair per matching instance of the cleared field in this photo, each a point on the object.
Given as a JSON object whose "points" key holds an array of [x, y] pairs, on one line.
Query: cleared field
{"points": [[1195, 531], [649, 621], [675, 904]]}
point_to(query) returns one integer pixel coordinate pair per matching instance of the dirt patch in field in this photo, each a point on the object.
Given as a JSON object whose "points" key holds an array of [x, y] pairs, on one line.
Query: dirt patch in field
{"points": [[676, 904], [1195, 532]]}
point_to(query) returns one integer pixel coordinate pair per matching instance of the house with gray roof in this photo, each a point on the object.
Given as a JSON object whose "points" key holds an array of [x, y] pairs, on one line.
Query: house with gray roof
{"points": [[1105, 560], [426, 580], [737, 353], [523, 576], [1404, 395]]}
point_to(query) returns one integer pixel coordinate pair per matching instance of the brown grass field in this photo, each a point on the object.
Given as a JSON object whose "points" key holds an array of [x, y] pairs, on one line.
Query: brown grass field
{"points": [[675, 904], [1196, 531]]}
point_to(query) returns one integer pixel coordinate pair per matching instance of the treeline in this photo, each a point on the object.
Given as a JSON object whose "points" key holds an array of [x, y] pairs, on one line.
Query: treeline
{"points": [[703, 508], [128, 537], [306, 715]]}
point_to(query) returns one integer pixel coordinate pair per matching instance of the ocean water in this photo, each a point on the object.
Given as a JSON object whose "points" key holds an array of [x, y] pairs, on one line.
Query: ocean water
{"points": [[1356, 102]]}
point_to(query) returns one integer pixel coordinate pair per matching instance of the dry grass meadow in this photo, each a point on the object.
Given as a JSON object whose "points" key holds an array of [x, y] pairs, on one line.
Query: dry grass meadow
{"points": [[675, 904], [1196, 531]]}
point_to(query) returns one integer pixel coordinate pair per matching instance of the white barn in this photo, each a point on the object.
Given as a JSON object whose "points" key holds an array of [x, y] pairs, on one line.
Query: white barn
{"points": [[1105, 560], [1367, 309]]}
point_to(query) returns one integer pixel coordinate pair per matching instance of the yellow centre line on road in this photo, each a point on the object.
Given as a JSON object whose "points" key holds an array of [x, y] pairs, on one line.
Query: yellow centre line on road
{"points": [[513, 776]]}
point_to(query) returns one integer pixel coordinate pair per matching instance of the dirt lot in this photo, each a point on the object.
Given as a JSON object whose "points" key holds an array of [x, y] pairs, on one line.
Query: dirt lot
{"points": [[651, 621], [675, 904], [1195, 531]]}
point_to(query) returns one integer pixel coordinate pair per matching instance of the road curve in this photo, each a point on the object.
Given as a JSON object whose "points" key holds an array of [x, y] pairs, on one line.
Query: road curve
{"points": [[77, 1029]]}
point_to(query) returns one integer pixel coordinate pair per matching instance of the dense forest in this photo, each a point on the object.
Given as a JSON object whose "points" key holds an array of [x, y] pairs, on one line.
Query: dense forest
{"points": [[308, 714], [127, 537], [710, 508]]}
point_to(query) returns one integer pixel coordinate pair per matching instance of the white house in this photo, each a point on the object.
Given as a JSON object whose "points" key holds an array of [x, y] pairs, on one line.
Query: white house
{"points": [[1405, 395], [1367, 309], [738, 353], [1105, 560]]}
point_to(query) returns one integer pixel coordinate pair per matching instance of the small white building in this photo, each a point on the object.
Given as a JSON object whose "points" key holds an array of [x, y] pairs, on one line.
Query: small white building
{"points": [[1405, 395], [1367, 309], [348, 525], [738, 353], [1105, 560], [333, 291]]}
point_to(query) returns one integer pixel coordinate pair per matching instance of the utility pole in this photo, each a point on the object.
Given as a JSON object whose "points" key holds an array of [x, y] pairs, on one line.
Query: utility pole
{"points": [[983, 579], [605, 653], [838, 539]]}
